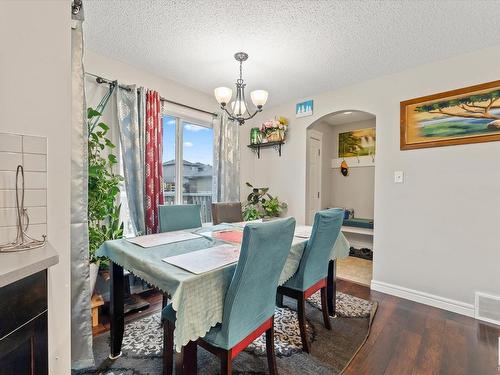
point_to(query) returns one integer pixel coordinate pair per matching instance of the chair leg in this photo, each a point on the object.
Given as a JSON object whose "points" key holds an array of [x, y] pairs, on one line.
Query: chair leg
{"points": [[324, 309], [302, 323], [168, 348], [279, 299], [164, 301], [271, 358], [186, 360], [226, 364]]}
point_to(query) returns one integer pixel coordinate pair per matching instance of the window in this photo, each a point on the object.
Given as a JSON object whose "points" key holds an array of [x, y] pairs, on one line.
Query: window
{"points": [[189, 181]]}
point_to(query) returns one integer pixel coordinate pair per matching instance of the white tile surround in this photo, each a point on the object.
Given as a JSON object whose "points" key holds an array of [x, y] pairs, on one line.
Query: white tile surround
{"points": [[31, 153]]}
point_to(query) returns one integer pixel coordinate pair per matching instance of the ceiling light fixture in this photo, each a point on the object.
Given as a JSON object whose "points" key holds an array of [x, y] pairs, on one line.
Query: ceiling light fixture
{"points": [[347, 112], [239, 108]]}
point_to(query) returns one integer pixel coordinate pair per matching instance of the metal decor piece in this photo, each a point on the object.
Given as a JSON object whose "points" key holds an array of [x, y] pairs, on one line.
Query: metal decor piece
{"points": [[23, 240]]}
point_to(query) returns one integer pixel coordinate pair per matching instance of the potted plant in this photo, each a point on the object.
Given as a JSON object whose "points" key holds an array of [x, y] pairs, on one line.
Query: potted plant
{"points": [[274, 130], [260, 204], [103, 190]]}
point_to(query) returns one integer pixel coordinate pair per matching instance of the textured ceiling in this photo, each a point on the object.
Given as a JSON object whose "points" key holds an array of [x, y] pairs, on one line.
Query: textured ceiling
{"points": [[296, 48]]}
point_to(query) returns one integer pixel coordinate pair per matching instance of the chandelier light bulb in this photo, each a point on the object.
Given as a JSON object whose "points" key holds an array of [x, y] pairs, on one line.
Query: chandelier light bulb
{"points": [[259, 97], [238, 107], [223, 95]]}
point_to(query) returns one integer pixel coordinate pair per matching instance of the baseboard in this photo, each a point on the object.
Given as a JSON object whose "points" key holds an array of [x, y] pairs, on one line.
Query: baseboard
{"points": [[424, 298]]}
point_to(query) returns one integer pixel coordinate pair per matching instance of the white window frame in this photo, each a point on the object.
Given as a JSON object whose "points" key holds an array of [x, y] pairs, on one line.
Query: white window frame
{"points": [[180, 120]]}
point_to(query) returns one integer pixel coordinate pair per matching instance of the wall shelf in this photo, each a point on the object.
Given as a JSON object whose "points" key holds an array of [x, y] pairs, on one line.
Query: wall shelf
{"points": [[353, 162], [276, 145]]}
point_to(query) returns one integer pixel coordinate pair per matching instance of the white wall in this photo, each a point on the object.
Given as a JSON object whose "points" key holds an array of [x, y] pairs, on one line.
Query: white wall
{"points": [[435, 234], [356, 190], [128, 74], [35, 99]]}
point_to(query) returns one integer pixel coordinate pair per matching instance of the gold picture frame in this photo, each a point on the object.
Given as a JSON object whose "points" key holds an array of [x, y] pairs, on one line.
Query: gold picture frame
{"points": [[467, 115]]}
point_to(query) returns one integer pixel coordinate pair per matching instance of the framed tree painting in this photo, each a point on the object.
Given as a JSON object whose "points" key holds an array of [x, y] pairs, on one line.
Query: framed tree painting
{"points": [[467, 115]]}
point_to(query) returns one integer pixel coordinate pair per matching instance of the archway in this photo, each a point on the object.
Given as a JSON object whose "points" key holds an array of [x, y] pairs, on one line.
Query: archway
{"points": [[345, 138]]}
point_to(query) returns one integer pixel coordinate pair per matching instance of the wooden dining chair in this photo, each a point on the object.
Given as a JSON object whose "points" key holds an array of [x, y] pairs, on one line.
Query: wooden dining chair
{"points": [[250, 300], [179, 216], [226, 212], [312, 273]]}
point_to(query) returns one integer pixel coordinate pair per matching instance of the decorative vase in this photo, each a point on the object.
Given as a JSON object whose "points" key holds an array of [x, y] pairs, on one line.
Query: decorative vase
{"points": [[94, 270], [254, 136]]}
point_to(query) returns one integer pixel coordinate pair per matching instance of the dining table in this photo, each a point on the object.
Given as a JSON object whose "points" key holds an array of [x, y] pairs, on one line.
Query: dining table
{"points": [[198, 299]]}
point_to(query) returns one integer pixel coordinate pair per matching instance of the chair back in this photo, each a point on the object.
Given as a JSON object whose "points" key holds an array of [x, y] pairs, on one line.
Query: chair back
{"points": [[251, 297], [179, 216], [314, 262], [226, 212]]}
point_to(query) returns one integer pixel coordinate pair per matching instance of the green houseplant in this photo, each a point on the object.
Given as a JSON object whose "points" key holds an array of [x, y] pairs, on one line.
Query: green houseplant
{"points": [[103, 189], [261, 204]]}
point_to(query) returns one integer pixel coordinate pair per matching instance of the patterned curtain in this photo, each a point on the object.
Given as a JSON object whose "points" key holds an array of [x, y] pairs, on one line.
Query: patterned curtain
{"points": [[154, 166], [226, 178], [132, 148]]}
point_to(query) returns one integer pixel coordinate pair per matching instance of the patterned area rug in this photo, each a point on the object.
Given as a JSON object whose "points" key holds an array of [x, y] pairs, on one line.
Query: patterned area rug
{"points": [[331, 350]]}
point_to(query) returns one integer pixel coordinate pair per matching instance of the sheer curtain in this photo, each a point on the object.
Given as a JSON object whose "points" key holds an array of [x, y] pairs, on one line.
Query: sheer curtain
{"points": [[81, 329], [226, 177], [129, 104]]}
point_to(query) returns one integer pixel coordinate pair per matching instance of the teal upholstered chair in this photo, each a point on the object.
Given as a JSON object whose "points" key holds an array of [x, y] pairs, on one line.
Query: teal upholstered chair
{"points": [[179, 216], [250, 300], [313, 268]]}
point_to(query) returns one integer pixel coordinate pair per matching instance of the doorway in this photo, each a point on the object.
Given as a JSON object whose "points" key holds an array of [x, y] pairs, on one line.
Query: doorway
{"points": [[314, 144], [346, 136]]}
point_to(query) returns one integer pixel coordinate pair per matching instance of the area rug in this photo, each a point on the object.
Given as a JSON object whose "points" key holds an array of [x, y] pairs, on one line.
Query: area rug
{"points": [[331, 351]]}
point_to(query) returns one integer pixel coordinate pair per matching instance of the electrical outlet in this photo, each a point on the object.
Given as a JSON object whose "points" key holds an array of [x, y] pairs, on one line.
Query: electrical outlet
{"points": [[399, 177]]}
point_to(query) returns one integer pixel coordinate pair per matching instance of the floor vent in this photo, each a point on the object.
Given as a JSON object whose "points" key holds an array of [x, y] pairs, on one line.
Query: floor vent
{"points": [[487, 308]]}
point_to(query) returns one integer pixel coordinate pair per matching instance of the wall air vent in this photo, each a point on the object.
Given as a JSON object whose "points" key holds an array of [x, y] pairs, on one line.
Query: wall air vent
{"points": [[487, 308]]}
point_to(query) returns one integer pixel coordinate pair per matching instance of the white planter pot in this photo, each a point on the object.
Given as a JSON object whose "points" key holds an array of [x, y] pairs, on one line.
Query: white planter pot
{"points": [[94, 270]]}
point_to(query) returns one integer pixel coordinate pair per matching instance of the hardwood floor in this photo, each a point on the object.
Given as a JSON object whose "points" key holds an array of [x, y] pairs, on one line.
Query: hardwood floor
{"points": [[406, 338], [411, 338]]}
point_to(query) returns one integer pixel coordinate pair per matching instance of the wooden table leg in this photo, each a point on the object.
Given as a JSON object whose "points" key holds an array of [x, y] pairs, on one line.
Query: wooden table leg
{"points": [[331, 287], [116, 310]]}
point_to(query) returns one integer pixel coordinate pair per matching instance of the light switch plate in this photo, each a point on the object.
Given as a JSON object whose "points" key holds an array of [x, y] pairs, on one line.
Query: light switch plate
{"points": [[399, 177]]}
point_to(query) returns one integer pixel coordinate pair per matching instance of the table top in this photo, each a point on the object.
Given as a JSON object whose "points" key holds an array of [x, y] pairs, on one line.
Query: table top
{"points": [[198, 299]]}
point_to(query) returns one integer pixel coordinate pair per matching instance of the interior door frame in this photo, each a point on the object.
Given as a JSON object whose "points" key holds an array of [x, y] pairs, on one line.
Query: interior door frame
{"points": [[314, 134]]}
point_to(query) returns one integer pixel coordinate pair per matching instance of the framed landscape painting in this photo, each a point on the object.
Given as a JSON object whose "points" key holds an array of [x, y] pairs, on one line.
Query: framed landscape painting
{"points": [[468, 115], [359, 142]]}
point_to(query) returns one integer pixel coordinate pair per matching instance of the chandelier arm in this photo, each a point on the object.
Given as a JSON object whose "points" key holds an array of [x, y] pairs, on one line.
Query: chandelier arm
{"points": [[255, 113], [231, 117], [244, 100]]}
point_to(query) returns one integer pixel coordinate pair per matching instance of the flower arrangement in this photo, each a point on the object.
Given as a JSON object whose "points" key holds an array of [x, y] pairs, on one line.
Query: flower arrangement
{"points": [[274, 130]]}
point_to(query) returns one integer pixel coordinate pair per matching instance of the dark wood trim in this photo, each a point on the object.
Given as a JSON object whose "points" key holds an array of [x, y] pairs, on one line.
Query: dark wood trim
{"points": [[116, 309], [301, 297], [446, 142], [331, 287], [324, 309], [271, 356]]}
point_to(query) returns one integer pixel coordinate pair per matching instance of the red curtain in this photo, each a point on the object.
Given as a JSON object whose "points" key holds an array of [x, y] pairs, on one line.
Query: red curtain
{"points": [[153, 160]]}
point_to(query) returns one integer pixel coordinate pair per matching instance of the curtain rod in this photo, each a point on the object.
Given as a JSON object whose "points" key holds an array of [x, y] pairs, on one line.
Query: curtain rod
{"points": [[100, 79]]}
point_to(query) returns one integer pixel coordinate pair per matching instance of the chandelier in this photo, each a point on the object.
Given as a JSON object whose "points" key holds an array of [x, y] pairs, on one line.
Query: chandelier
{"points": [[239, 108]]}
